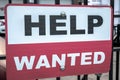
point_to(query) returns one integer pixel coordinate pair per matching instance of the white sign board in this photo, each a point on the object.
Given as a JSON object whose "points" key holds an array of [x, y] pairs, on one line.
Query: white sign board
{"points": [[68, 40], [16, 24]]}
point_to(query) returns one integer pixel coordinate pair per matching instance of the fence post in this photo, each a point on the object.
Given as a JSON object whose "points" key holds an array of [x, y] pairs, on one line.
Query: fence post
{"points": [[117, 54], [111, 64], [2, 57], [36, 1], [10, 1], [57, 1], [78, 77], [57, 78], [85, 77], [85, 2], [117, 65], [98, 76], [111, 69]]}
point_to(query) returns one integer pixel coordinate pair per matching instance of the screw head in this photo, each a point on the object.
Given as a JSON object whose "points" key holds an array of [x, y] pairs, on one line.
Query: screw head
{"points": [[63, 14]]}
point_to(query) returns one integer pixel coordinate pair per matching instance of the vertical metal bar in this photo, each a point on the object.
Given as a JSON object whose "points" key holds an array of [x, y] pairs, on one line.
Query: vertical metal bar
{"points": [[2, 57], [57, 78], [80, 3], [36, 1], [25, 1], [111, 69], [85, 77], [72, 1], [117, 65], [119, 10], [78, 77], [85, 2], [57, 1], [111, 65], [112, 3], [117, 54], [118, 34], [10, 1], [98, 78], [2, 17]]}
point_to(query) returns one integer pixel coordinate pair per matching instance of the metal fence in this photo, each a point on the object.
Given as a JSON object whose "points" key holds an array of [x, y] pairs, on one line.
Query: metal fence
{"points": [[114, 71]]}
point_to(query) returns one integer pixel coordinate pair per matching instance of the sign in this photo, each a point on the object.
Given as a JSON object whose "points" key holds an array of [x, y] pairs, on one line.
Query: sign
{"points": [[49, 41]]}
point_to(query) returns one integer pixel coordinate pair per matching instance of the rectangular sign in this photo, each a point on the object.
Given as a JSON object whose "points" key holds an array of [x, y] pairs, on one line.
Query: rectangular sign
{"points": [[49, 41]]}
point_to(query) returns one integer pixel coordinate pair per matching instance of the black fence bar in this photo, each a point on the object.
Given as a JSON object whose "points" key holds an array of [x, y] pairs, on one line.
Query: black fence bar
{"points": [[85, 77], [10, 1], [98, 77], [80, 3], [117, 16], [111, 64], [36, 1], [116, 49], [2, 17], [117, 65], [118, 34], [2, 35], [85, 2], [25, 1], [117, 53], [72, 1], [78, 77], [57, 78], [57, 1], [2, 57], [112, 4], [111, 68]]}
